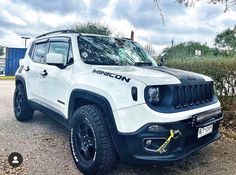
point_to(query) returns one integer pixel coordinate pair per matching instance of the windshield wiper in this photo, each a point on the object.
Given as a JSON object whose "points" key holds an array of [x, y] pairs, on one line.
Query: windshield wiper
{"points": [[142, 64]]}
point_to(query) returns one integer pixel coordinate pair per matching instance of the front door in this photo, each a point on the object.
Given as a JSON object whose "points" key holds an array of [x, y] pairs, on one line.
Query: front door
{"points": [[56, 81]]}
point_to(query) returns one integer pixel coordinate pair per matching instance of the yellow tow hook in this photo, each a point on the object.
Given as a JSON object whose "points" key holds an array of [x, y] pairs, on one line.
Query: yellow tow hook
{"points": [[174, 134]]}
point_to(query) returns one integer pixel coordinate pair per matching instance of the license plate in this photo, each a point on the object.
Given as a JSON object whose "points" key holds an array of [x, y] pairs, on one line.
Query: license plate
{"points": [[204, 131]]}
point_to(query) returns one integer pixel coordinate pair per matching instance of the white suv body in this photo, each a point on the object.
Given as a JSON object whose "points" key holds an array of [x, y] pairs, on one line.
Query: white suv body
{"points": [[56, 79]]}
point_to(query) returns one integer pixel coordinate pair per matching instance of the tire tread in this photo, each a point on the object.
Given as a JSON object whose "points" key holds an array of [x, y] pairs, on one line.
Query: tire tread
{"points": [[26, 112], [108, 156]]}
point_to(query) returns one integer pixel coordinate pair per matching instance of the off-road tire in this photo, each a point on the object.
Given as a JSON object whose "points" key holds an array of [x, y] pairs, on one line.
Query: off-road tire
{"points": [[22, 110], [105, 154]]}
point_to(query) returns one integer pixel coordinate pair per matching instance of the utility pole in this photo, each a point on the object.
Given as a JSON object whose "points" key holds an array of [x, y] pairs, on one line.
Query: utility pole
{"points": [[25, 38], [172, 42], [132, 35]]}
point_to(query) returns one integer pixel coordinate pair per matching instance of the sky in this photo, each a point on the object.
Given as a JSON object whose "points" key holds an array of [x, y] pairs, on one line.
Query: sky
{"points": [[200, 23]]}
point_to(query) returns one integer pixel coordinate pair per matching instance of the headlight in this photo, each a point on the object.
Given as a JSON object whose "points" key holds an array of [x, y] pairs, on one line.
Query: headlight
{"points": [[158, 95], [154, 95]]}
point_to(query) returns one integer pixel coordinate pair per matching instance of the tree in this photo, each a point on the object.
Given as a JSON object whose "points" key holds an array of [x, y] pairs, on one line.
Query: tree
{"points": [[226, 40], [226, 3], [1, 50], [92, 27], [149, 48], [187, 49]]}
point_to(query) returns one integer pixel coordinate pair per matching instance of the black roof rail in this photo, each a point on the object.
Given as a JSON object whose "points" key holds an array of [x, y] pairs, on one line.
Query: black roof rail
{"points": [[57, 31], [127, 39]]}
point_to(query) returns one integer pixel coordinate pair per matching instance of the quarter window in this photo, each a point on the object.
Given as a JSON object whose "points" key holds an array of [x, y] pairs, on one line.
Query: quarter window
{"points": [[70, 56]]}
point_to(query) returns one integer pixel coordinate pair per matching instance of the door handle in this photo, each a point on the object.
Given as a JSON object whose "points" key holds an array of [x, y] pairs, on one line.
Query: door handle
{"points": [[27, 69], [44, 73]]}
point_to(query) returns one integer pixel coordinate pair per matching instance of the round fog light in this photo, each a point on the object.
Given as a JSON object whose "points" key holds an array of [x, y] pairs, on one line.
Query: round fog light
{"points": [[148, 142], [154, 128]]}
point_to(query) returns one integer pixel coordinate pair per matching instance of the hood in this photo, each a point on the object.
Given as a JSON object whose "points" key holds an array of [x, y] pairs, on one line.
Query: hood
{"points": [[153, 75]]}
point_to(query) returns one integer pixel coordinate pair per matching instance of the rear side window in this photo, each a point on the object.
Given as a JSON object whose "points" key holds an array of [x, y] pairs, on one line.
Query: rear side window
{"points": [[59, 47], [39, 52]]}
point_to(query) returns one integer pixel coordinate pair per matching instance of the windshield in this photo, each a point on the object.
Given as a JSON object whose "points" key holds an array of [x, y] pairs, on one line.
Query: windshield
{"points": [[99, 50]]}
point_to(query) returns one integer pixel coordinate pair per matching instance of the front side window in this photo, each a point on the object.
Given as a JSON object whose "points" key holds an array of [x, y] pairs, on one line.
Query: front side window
{"points": [[39, 52], [60, 48], [98, 50]]}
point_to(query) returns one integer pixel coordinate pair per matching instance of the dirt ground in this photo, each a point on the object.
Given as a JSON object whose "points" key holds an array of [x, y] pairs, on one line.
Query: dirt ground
{"points": [[229, 122], [44, 145]]}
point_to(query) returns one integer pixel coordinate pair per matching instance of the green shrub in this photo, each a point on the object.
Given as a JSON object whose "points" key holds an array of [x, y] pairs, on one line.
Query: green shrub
{"points": [[221, 70]]}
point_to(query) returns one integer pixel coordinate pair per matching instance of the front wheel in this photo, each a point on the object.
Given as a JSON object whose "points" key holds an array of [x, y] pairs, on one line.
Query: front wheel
{"points": [[22, 110], [91, 144]]}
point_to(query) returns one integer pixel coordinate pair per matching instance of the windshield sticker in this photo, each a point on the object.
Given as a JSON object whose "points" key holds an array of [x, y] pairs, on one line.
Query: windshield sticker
{"points": [[112, 75], [84, 54]]}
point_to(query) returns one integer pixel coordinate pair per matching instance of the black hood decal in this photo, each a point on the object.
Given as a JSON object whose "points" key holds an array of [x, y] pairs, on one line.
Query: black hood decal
{"points": [[112, 75], [184, 76]]}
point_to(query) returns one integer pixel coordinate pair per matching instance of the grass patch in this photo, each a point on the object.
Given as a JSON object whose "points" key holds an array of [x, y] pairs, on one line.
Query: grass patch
{"points": [[7, 77]]}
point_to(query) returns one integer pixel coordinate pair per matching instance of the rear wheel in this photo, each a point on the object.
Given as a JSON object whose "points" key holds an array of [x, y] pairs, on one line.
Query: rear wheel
{"points": [[22, 110], [91, 144]]}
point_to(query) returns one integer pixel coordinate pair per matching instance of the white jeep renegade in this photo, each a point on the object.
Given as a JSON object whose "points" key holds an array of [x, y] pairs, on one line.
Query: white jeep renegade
{"points": [[116, 101]]}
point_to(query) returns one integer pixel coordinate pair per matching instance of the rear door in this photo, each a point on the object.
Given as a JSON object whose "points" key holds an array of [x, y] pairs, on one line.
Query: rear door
{"points": [[35, 87]]}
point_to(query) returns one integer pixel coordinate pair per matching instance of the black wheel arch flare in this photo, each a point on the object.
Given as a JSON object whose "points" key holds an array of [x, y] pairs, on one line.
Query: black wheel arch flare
{"points": [[94, 98], [20, 79], [103, 103]]}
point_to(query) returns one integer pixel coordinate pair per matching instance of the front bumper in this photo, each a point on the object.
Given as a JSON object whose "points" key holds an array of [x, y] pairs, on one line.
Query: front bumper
{"points": [[132, 149]]}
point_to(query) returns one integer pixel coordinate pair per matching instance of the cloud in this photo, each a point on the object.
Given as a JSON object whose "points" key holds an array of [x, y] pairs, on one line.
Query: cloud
{"points": [[59, 6], [31, 18], [181, 23], [10, 18]]}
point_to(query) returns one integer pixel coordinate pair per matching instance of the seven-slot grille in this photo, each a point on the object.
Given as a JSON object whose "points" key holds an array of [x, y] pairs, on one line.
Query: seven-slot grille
{"points": [[189, 95]]}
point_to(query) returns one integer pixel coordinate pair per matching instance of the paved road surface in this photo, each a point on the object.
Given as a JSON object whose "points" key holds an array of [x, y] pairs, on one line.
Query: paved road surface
{"points": [[45, 148]]}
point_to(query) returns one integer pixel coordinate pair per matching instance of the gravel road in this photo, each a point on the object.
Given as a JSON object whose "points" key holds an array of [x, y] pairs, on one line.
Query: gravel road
{"points": [[44, 145]]}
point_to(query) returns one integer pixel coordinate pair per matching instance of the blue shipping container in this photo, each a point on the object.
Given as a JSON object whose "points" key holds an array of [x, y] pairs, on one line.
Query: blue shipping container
{"points": [[13, 55]]}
